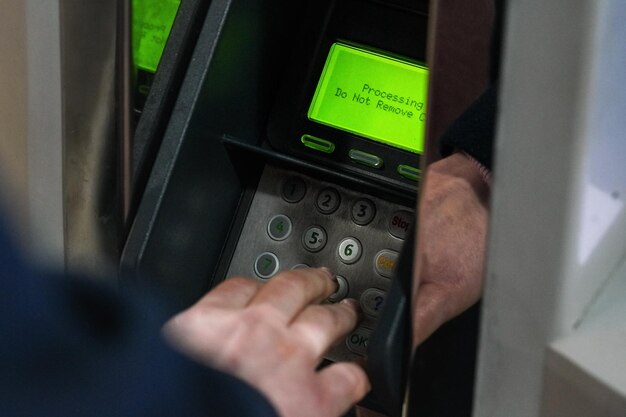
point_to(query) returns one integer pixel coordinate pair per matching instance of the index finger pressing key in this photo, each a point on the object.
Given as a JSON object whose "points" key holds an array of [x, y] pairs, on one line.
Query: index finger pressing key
{"points": [[235, 292], [291, 291], [323, 325]]}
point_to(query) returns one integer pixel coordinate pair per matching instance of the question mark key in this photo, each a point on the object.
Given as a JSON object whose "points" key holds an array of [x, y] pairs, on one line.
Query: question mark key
{"points": [[372, 301]]}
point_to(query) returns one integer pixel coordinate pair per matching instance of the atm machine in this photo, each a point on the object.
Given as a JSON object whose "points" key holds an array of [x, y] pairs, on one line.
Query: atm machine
{"points": [[297, 139], [290, 87], [253, 126]]}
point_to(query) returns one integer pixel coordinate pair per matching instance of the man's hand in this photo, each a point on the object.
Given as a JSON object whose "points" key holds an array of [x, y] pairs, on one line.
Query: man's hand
{"points": [[273, 336], [451, 237], [449, 256]]}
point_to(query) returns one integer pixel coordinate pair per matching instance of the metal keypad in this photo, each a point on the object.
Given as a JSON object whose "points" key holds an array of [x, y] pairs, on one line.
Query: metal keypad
{"points": [[295, 220]]}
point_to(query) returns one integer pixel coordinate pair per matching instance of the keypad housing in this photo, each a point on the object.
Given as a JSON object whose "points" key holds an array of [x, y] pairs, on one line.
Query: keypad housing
{"points": [[277, 196]]}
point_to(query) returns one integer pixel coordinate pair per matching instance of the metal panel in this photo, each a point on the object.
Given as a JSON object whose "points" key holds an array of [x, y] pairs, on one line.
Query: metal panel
{"points": [[89, 145], [60, 138], [561, 122]]}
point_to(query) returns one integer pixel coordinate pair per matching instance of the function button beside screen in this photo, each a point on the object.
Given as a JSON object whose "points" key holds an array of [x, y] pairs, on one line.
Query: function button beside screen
{"points": [[349, 250], [400, 223], [314, 239], [363, 211], [279, 227], [342, 290], [385, 262], [293, 190], [318, 144], [365, 158], [266, 265], [372, 301], [358, 340], [328, 200], [410, 172]]}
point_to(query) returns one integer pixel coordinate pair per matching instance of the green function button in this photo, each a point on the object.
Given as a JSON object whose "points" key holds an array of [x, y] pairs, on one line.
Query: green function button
{"points": [[366, 158], [409, 172], [318, 144], [279, 227], [266, 265]]}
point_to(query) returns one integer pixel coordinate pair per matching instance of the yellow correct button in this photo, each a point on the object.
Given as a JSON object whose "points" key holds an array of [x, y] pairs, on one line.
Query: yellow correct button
{"points": [[385, 262]]}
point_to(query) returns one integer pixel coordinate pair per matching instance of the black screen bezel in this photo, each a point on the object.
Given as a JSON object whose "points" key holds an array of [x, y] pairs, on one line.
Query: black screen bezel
{"points": [[400, 31]]}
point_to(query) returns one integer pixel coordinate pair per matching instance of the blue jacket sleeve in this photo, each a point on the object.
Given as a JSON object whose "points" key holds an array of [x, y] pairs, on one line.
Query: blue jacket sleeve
{"points": [[474, 131], [75, 348]]}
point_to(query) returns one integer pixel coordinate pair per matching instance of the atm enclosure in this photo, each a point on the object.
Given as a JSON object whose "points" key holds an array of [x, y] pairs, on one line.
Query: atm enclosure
{"points": [[256, 173], [251, 178], [243, 105]]}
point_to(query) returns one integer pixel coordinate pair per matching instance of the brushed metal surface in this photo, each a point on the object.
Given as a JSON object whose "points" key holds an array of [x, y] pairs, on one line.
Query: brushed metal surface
{"points": [[361, 275], [88, 33]]}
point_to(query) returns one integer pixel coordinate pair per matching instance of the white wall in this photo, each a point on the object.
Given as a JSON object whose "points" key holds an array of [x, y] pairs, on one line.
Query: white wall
{"points": [[57, 131], [31, 128], [558, 217]]}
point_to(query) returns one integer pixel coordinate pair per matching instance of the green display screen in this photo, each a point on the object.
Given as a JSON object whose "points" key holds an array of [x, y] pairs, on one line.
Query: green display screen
{"points": [[373, 95], [152, 22]]}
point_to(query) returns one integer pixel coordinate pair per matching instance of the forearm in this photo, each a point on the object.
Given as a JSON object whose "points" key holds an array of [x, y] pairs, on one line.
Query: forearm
{"points": [[451, 240]]}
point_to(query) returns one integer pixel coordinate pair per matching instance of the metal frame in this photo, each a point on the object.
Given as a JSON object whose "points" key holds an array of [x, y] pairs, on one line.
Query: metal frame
{"points": [[558, 215]]}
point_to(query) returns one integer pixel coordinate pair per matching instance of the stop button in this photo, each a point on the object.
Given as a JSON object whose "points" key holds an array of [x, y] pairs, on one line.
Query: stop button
{"points": [[401, 223]]}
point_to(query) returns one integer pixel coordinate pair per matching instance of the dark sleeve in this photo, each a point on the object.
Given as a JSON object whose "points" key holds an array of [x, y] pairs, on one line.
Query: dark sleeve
{"points": [[75, 348], [474, 131]]}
